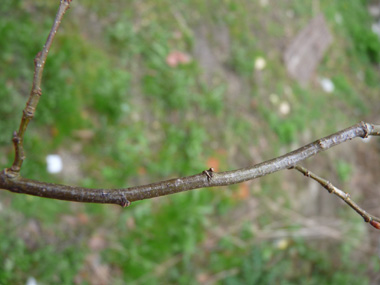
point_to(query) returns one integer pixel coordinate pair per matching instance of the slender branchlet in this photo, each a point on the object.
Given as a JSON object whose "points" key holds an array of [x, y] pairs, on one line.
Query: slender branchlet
{"points": [[35, 94], [368, 218]]}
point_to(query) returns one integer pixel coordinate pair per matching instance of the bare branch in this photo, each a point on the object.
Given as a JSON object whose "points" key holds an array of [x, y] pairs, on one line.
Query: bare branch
{"points": [[11, 180], [35, 94], [368, 218], [204, 179]]}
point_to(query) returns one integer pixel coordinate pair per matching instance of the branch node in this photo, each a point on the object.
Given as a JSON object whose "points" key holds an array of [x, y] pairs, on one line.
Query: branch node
{"points": [[37, 92], [209, 173], [124, 202], [366, 217], [29, 112], [330, 187], [37, 58], [16, 138], [366, 129], [322, 144], [11, 173]]}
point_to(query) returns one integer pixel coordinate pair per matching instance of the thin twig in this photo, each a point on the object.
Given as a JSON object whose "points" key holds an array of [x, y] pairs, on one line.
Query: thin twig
{"points": [[368, 218], [35, 94]]}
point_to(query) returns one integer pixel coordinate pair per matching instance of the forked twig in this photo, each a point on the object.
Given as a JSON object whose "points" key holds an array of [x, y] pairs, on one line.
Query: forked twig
{"points": [[11, 180], [368, 218], [204, 179]]}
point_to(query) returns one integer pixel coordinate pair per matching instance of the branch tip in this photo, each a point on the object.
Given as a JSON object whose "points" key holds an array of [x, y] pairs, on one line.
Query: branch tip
{"points": [[375, 224]]}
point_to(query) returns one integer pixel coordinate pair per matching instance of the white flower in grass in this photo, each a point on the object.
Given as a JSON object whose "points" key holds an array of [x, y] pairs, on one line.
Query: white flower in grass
{"points": [[31, 281], [260, 63], [54, 163], [284, 108], [327, 85]]}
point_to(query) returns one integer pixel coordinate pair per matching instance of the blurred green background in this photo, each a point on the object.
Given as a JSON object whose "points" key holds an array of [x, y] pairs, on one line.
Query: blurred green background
{"points": [[120, 112]]}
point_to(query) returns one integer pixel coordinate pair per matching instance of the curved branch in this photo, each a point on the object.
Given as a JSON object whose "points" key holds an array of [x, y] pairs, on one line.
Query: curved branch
{"points": [[11, 180], [207, 178], [35, 93]]}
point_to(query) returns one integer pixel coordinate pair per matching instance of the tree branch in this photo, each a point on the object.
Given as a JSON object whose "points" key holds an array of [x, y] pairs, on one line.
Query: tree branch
{"points": [[207, 178], [35, 93], [368, 218], [11, 180]]}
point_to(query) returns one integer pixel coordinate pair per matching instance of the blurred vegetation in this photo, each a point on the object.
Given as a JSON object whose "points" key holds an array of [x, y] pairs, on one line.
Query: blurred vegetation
{"points": [[107, 74]]}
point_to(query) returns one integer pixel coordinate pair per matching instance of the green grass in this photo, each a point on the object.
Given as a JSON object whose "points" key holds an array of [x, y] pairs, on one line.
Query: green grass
{"points": [[150, 121], [271, 265]]}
